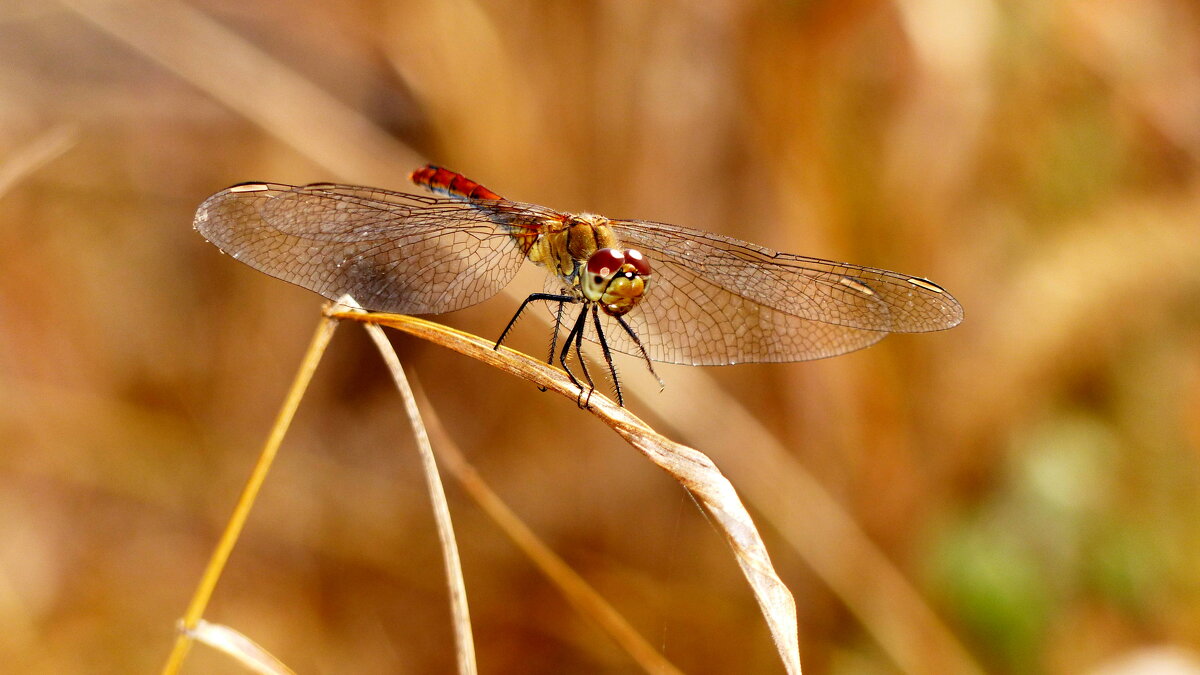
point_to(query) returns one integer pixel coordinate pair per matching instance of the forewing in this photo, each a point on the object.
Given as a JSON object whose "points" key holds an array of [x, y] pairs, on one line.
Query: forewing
{"points": [[819, 290], [684, 318], [391, 251], [716, 300]]}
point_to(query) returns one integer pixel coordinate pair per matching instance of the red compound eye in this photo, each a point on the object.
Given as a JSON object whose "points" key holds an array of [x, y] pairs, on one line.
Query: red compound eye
{"points": [[639, 262], [605, 262]]}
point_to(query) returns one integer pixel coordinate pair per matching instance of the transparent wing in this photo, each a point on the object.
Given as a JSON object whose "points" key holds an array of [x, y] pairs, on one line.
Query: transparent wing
{"points": [[391, 251], [715, 300], [696, 332]]}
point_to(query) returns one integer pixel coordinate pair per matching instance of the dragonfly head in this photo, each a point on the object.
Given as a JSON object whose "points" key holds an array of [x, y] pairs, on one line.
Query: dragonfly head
{"points": [[616, 279]]}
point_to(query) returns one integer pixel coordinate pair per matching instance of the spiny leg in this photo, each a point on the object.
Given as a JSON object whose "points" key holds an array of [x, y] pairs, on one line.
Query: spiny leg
{"points": [[641, 348], [612, 367], [582, 361], [575, 338], [558, 318], [552, 297]]}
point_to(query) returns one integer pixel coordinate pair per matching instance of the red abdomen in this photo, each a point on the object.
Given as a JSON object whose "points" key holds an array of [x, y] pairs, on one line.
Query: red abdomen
{"points": [[449, 183]]}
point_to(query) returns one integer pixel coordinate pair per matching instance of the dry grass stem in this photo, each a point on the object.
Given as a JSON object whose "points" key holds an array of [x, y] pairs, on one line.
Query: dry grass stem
{"points": [[464, 643], [691, 468], [586, 600], [820, 531], [246, 651], [220, 555]]}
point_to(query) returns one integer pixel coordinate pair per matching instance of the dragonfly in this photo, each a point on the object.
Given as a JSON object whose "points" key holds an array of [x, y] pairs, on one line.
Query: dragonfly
{"points": [[659, 292]]}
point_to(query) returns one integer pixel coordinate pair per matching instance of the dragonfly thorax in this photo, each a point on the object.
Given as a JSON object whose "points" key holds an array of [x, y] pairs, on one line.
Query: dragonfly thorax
{"points": [[566, 245]]}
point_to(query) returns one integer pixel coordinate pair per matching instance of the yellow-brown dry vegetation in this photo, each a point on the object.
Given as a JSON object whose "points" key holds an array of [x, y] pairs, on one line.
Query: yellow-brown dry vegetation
{"points": [[1016, 495]]}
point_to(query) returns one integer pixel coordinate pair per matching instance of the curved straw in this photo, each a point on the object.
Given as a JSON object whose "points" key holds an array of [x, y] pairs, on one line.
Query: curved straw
{"points": [[464, 643], [695, 471]]}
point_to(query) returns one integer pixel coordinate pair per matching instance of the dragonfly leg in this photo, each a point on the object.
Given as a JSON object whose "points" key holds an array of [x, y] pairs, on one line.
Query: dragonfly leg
{"points": [[558, 318], [533, 297], [558, 322], [641, 348], [575, 339], [591, 384], [612, 367]]}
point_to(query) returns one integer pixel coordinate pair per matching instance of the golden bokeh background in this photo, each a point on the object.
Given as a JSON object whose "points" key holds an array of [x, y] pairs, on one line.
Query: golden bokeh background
{"points": [[1017, 495]]}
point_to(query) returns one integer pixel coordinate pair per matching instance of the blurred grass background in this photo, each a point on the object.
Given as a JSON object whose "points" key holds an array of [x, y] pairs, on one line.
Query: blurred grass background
{"points": [[1031, 473]]}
